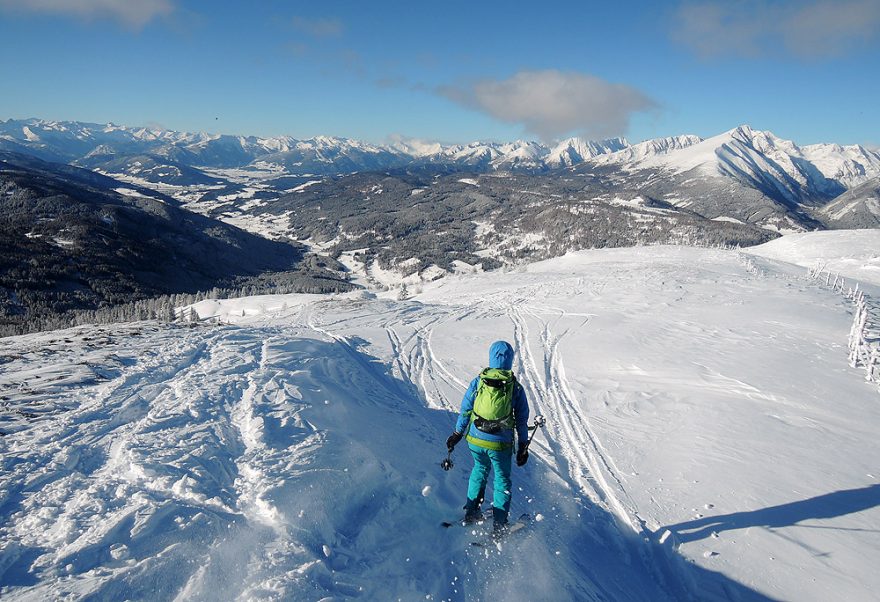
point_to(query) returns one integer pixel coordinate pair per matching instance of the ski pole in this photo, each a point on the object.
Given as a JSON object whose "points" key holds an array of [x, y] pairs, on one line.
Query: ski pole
{"points": [[446, 464], [539, 423]]}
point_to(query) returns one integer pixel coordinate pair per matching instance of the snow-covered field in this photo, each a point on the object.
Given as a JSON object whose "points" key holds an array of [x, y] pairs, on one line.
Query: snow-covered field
{"points": [[706, 440], [855, 254]]}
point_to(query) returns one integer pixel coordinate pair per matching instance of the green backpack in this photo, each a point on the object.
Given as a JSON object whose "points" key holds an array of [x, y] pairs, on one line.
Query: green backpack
{"points": [[493, 405]]}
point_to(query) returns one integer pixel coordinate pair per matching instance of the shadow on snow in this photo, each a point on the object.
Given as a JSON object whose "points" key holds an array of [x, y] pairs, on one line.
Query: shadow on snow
{"points": [[829, 505]]}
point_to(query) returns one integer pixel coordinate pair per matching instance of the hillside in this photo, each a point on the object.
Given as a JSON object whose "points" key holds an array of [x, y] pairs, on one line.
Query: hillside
{"points": [[74, 239], [706, 440], [415, 223], [858, 207]]}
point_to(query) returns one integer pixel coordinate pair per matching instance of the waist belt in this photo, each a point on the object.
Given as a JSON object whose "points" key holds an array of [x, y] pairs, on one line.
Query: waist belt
{"points": [[490, 427]]}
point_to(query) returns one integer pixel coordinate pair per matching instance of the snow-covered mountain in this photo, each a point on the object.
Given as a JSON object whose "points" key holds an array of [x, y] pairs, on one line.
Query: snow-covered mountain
{"points": [[849, 165], [629, 154], [743, 174], [577, 150], [858, 207], [331, 155], [157, 169], [757, 158], [293, 452]]}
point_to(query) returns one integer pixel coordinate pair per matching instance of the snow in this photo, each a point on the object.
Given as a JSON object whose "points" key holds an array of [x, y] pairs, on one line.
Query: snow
{"points": [[852, 253], [706, 439], [576, 150], [29, 135], [851, 165], [305, 185], [270, 225], [728, 153], [637, 203], [470, 181], [647, 149], [131, 192]]}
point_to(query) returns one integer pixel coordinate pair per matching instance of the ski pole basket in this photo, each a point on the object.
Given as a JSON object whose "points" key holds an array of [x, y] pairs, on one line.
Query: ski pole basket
{"points": [[539, 423]]}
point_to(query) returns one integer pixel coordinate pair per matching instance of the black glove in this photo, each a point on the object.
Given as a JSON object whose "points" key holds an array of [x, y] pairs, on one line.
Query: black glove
{"points": [[454, 438], [522, 456]]}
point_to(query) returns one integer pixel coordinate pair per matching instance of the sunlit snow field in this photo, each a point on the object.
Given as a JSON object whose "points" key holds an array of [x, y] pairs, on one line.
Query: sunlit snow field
{"points": [[706, 439]]}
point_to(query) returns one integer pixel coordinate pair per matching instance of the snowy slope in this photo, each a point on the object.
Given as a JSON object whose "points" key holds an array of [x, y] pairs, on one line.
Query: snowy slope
{"points": [[293, 454], [855, 254], [858, 207]]}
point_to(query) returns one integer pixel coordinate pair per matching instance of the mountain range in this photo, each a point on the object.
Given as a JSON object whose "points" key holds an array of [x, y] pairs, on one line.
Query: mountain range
{"points": [[776, 176], [811, 165]]}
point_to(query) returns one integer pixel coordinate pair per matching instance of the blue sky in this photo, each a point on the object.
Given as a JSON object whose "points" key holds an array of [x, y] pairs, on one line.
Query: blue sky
{"points": [[452, 71]]}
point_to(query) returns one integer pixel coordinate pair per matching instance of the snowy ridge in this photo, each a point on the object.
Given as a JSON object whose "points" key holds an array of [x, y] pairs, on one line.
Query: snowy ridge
{"points": [[649, 148], [755, 157], [577, 150]]}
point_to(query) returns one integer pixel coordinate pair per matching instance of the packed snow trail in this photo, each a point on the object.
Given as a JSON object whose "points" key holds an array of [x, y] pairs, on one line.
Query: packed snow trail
{"points": [[271, 463], [295, 454]]}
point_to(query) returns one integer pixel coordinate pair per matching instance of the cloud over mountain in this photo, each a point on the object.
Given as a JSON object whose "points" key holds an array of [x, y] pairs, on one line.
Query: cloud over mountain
{"points": [[553, 103]]}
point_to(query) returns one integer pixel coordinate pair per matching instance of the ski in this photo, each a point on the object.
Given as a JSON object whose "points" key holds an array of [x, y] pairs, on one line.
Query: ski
{"points": [[516, 526], [487, 516]]}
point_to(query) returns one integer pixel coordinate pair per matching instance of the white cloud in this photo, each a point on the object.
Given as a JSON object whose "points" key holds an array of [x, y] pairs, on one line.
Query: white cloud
{"points": [[554, 103], [823, 28], [131, 13], [319, 28], [831, 28]]}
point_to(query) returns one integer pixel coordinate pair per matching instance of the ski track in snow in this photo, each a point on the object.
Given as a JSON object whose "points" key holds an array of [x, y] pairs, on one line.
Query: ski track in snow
{"points": [[265, 463], [224, 388]]}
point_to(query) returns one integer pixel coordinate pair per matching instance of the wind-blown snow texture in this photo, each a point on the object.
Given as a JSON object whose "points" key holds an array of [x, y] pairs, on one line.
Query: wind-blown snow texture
{"points": [[294, 453]]}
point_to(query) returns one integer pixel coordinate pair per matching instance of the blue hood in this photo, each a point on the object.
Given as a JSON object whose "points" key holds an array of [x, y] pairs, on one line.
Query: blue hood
{"points": [[501, 355]]}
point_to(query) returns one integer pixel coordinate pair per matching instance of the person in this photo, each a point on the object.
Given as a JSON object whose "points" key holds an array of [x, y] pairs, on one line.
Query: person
{"points": [[493, 408]]}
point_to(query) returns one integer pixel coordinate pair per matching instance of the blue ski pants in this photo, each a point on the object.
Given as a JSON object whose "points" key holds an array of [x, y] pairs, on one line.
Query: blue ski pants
{"points": [[499, 461]]}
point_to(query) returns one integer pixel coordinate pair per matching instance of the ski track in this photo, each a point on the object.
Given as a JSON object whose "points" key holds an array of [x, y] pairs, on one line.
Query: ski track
{"points": [[575, 446], [240, 394]]}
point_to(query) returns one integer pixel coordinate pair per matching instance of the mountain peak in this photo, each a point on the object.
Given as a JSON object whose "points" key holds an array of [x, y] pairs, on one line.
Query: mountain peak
{"points": [[577, 150], [744, 129]]}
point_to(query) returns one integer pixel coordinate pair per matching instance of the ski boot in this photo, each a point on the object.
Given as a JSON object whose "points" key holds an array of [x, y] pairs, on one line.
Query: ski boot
{"points": [[499, 523], [472, 512]]}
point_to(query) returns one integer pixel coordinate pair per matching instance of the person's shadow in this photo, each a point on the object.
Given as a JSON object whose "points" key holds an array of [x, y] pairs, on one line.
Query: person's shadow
{"points": [[828, 505]]}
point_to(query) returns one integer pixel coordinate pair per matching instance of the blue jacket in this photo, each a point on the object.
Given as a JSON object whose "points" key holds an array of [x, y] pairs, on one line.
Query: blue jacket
{"points": [[500, 356]]}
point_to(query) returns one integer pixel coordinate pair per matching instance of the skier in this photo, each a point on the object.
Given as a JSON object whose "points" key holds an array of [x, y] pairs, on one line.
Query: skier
{"points": [[493, 407]]}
